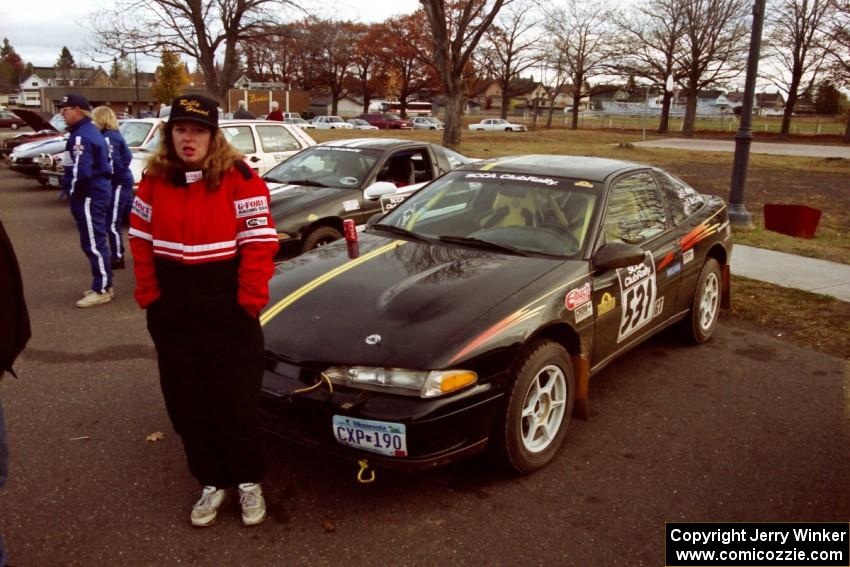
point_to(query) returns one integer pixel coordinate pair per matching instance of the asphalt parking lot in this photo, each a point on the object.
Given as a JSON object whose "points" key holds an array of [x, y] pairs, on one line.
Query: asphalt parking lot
{"points": [[745, 428]]}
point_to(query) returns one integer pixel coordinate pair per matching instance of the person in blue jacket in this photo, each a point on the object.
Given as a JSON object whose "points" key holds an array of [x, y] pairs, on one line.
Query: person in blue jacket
{"points": [[88, 183], [122, 181]]}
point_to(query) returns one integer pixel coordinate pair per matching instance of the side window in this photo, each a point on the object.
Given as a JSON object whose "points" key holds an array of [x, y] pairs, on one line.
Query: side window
{"points": [[684, 201], [241, 138], [635, 210], [277, 139], [422, 170]]}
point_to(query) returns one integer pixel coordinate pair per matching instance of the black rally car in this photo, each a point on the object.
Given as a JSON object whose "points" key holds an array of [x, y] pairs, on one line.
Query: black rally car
{"points": [[313, 192], [475, 312]]}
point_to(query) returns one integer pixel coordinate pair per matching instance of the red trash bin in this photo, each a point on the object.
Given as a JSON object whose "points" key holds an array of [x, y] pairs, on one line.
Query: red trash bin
{"points": [[794, 220]]}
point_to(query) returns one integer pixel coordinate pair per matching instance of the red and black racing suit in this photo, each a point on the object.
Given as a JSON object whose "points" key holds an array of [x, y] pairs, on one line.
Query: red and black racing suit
{"points": [[203, 258]]}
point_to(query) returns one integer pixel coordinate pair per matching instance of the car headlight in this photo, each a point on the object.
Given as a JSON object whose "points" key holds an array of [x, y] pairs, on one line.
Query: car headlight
{"points": [[423, 383]]}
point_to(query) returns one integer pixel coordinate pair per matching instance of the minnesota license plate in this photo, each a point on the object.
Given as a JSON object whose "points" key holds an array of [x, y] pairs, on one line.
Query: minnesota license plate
{"points": [[380, 437]]}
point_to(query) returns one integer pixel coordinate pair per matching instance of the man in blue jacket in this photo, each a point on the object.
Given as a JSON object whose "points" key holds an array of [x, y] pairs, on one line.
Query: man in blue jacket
{"points": [[88, 184]]}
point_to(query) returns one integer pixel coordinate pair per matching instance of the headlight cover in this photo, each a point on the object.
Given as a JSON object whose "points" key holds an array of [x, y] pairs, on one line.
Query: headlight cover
{"points": [[422, 383]]}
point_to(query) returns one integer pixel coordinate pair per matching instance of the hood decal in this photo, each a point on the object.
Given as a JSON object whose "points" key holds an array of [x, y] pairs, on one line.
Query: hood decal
{"points": [[514, 318], [275, 309]]}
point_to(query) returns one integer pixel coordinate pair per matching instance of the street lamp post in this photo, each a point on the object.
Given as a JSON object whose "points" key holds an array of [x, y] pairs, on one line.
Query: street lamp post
{"points": [[738, 214]]}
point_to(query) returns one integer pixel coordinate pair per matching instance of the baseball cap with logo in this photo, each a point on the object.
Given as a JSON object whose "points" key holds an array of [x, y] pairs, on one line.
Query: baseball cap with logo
{"points": [[74, 100], [196, 108]]}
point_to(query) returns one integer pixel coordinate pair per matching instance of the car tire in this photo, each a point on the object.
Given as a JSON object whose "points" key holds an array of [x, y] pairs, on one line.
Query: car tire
{"points": [[319, 237], [705, 309], [509, 129], [539, 407]]}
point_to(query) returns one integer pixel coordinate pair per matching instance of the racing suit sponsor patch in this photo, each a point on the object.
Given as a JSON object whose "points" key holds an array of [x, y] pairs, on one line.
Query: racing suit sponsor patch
{"points": [[251, 207], [255, 222], [142, 210]]}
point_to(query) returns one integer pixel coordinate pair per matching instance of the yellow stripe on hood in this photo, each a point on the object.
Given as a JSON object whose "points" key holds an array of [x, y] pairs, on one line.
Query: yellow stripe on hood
{"points": [[274, 310]]}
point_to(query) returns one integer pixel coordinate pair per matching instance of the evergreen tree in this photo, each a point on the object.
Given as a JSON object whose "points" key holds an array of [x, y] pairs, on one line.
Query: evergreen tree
{"points": [[827, 99], [66, 60], [12, 67], [170, 78]]}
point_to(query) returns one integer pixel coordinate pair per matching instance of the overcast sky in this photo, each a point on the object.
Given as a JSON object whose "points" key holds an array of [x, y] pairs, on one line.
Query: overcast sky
{"points": [[38, 29]]}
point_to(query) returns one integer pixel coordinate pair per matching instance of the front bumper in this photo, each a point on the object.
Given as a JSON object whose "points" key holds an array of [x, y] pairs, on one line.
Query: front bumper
{"points": [[25, 166], [438, 430]]}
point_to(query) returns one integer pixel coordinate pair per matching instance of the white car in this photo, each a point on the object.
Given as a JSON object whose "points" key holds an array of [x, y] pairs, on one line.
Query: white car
{"points": [[360, 124], [427, 123], [497, 124], [331, 123], [264, 144], [300, 122], [137, 132]]}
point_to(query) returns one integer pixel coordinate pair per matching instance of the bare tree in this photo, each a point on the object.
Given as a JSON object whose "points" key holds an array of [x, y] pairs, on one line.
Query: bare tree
{"points": [[714, 48], [648, 41], [583, 35], [554, 56], [456, 30], [838, 48], [200, 29], [510, 48], [365, 64], [337, 41], [796, 40]]}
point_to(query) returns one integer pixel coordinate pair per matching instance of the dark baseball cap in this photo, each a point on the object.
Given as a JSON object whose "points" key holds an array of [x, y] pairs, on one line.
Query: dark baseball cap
{"points": [[74, 100], [196, 108]]}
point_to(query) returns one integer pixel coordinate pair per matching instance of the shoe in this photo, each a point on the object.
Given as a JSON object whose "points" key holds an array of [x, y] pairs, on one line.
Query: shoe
{"points": [[253, 504], [118, 264], [109, 290], [92, 298], [206, 509]]}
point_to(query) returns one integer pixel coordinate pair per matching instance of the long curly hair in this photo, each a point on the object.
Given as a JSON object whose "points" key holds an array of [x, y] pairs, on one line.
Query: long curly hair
{"points": [[219, 159]]}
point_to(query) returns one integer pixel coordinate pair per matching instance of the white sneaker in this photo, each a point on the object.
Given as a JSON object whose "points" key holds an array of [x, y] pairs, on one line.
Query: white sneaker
{"points": [[206, 509], [253, 504], [92, 298], [109, 290]]}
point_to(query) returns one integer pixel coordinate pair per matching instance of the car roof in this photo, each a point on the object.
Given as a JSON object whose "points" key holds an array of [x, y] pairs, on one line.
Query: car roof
{"points": [[582, 167], [373, 143]]}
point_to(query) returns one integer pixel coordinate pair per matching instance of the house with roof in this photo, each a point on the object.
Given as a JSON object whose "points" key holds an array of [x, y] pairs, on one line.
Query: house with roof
{"points": [[48, 77], [764, 104]]}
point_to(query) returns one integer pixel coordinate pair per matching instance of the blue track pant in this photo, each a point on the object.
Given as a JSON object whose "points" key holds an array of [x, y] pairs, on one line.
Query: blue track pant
{"points": [[119, 207], [90, 212]]}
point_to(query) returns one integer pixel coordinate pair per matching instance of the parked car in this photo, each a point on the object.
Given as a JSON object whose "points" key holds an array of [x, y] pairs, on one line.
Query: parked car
{"points": [[264, 144], [43, 125], [386, 121], [427, 123], [360, 124], [313, 192], [51, 160], [26, 158], [300, 122], [9, 120], [498, 124], [331, 123], [294, 115], [474, 314]]}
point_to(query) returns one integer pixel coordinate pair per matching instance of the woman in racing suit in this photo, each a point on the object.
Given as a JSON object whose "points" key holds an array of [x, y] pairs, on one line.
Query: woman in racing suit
{"points": [[203, 242]]}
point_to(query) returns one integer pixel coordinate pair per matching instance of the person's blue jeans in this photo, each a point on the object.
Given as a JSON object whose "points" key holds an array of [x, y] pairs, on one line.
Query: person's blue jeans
{"points": [[4, 472]]}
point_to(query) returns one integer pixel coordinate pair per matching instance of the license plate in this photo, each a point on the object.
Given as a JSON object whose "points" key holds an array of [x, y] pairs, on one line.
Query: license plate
{"points": [[380, 437], [53, 181]]}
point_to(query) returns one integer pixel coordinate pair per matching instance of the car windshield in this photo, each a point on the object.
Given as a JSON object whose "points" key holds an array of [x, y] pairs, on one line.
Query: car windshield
{"points": [[535, 214], [326, 166], [135, 132], [393, 117], [58, 122], [152, 143]]}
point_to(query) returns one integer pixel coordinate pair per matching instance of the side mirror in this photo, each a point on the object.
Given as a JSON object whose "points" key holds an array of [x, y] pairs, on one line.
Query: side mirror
{"points": [[373, 219], [379, 189], [617, 255]]}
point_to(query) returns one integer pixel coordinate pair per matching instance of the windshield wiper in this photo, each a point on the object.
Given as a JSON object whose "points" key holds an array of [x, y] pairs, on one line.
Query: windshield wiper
{"points": [[478, 243], [307, 182], [400, 231]]}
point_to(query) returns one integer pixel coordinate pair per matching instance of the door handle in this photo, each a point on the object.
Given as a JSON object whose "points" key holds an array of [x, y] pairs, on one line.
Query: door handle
{"points": [[254, 159]]}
